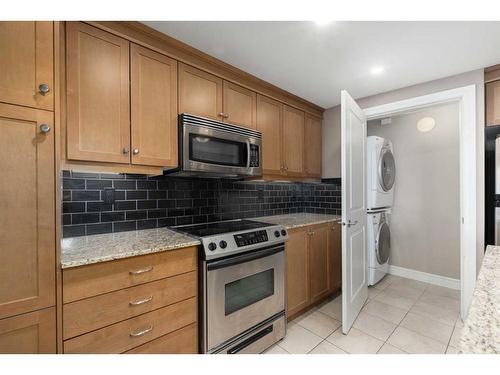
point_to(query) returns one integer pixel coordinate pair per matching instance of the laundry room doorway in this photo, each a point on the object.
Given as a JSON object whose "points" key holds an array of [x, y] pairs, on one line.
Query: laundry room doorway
{"points": [[459, 273]]}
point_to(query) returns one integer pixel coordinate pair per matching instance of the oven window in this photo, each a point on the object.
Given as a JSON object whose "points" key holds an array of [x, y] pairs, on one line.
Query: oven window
{"points": [[219, 151], [245, 292]]}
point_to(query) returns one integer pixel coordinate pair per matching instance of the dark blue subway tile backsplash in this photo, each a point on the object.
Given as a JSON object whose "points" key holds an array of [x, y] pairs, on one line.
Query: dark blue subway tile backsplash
{"points": [[143, 202]]}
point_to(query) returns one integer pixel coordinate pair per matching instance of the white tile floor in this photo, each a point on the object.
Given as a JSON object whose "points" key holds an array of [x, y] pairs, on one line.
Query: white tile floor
{"points": [[401, 316]]}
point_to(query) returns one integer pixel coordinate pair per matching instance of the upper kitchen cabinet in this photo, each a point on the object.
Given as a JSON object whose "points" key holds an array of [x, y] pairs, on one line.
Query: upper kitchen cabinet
{"points": [[27, 206], [239, 105], [200, 93], [493, 103], [26, 64], [312, 158], [154, 108], [98, 102], [269, 119], [293, 141]]}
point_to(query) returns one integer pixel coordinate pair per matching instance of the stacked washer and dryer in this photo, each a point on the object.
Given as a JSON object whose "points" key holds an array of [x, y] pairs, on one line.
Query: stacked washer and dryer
{"points": [[381, 174]]}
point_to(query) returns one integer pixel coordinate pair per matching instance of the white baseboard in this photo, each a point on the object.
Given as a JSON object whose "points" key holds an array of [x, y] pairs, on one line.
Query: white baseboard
{"points": [[430, 278]]}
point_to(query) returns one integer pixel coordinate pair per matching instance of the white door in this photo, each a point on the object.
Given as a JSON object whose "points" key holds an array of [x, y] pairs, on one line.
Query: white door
{"points": [[354, 257]]}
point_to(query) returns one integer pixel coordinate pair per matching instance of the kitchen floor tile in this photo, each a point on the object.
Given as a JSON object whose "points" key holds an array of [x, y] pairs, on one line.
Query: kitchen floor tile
{"points": [[327, 348], [356, 342], [299, 340], [373, 292], [319, 323], [443, 292], [455, 337], [434, 312], [393, 298], [374, 326], [414, 343], [451, 350], [427, 327], [276, 349], [333, 309], [406, 291], [389, 349], [387, 312], [440, 301]]}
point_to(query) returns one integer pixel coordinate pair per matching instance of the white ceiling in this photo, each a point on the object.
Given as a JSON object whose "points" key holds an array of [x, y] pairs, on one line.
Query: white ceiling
{"points": [[316, 61]]}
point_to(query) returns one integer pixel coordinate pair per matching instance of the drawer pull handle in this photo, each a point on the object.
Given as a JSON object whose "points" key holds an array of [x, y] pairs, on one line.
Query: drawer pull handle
{"points": [[141, 301], [141, 271], [141, 333]]}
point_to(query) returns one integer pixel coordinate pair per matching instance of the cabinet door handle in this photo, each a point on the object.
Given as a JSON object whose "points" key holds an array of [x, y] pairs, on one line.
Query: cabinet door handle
{"points": [[141, 301], [43, 88], [223, 115], [142, 332], [141, 271]]}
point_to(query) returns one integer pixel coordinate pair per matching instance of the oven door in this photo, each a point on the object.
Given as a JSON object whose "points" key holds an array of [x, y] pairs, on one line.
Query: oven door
{"points": [[242, 292], [216, 151]]}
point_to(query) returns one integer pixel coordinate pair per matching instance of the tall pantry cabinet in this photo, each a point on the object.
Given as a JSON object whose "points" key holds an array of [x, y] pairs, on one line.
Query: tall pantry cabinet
{"points": [[27, 188]]}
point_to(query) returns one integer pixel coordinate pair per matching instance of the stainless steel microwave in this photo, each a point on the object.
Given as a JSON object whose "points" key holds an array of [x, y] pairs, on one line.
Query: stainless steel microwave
{"points": [[209, 148]]}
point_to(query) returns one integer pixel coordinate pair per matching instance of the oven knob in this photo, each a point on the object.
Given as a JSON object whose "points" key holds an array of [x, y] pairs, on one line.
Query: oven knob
{"points": [[212, 246], [276, 233], [223, 244], [283, 232]]}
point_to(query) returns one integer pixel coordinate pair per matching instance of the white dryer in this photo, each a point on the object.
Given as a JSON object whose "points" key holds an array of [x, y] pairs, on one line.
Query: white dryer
{"points": [[379, 245], [381, 173]]}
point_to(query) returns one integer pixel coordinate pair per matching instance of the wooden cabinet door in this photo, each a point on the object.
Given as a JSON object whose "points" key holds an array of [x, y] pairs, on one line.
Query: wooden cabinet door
{"points": [[293, 141], [97, 79], [297, 272], [26, 62], [239, 105], [335, 256], [200, 93], [153, 108], [493, 103], [27, 217], [269, 119], [312, 154], [32, 333], [318, 262]]}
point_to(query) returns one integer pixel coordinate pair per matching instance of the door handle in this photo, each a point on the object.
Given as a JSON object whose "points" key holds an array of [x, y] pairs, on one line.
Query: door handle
{"points": [[350, 223]]}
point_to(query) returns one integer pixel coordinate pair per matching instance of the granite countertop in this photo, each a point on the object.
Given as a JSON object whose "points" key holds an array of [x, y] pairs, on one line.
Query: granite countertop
{"points": [[79, 251], [481, 332], [291, 221]]}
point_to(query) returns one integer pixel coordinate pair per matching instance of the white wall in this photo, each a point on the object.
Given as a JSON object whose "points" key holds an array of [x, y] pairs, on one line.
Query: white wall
{"points": [[425, 220], [331, 133]]}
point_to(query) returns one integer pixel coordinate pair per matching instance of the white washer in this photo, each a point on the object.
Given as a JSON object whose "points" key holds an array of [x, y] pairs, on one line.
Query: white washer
{"points": [[381, 173], [379, 245]]}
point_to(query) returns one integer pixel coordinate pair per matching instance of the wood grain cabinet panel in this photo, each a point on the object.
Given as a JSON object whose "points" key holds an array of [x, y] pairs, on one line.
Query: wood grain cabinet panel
{"points": [[239, 105], [182, 341], [200, 93], [493, 103], [123, 336], [312, 153], [27, 211], [335, 256], [297, 271], [26, 62], [98, 102], [153, 108], [293, 141], [95, 279], [31, 333], [319, 260], [269, 119]]}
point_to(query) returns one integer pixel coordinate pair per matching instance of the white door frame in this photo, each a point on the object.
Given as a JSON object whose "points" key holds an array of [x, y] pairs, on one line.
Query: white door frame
{"points": [[466, 97]]}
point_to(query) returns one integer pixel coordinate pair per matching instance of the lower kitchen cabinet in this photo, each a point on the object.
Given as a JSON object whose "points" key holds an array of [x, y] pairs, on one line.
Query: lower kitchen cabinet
{"points": [[314, 266], [30, 333]]}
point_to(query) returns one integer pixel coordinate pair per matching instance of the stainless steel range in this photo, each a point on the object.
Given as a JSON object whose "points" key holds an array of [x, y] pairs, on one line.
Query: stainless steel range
{"points": [[242, 285]]}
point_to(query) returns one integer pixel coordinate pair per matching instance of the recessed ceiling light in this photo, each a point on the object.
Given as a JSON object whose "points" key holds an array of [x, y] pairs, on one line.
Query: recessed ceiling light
{"points": [[376, 70], [426, 124], [322, 22]]}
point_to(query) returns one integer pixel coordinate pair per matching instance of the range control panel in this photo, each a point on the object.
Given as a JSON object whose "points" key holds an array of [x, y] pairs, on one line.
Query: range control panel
{"points": [[250, 238]]}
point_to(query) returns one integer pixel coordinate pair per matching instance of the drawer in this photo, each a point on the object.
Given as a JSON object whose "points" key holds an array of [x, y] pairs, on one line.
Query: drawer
{"points": [[92, 280], [182, 341], [96, 312], [134, 332]]}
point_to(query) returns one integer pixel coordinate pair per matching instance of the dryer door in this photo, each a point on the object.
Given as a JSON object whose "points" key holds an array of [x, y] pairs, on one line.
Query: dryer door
{"points": [[383, 243], [386, 170]]}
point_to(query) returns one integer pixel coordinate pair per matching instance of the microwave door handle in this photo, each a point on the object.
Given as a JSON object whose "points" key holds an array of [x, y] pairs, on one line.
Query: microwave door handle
{"points": [[248, 154]]}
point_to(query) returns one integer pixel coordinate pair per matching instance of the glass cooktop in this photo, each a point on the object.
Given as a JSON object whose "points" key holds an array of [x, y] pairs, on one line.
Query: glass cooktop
{"points": [[218, 227]]}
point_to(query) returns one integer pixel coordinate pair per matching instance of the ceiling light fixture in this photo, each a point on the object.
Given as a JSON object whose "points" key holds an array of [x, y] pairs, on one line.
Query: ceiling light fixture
{"points": [[322, 22], [426, 124], [377, 70]]}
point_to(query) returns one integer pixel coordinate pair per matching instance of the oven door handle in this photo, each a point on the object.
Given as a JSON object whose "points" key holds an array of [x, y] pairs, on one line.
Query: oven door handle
{"points": [[244, 258]]}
